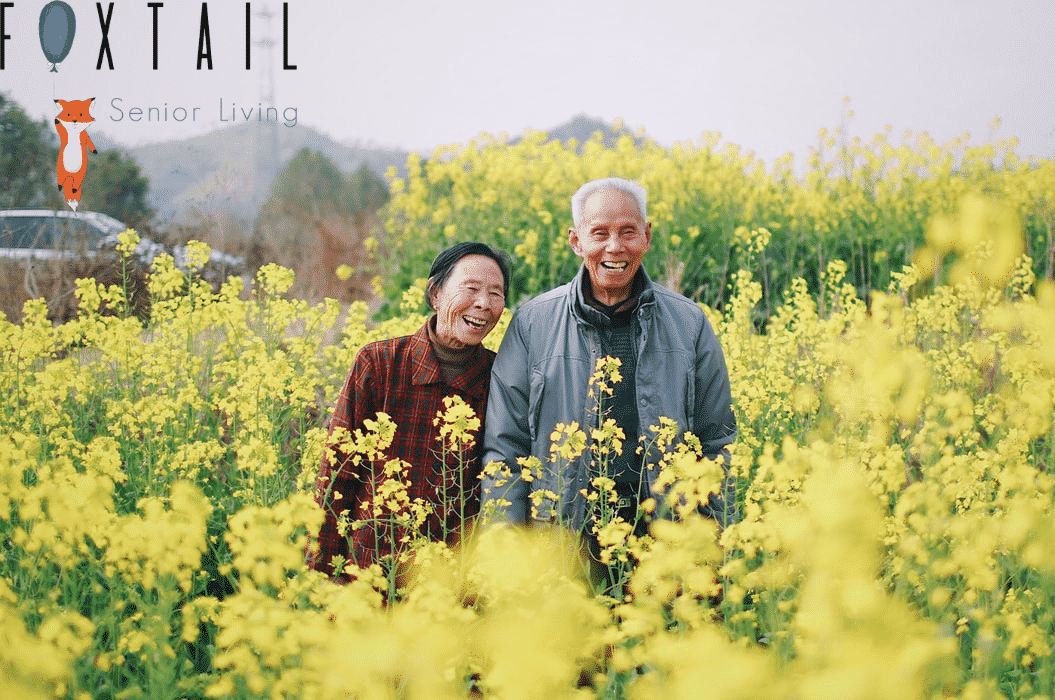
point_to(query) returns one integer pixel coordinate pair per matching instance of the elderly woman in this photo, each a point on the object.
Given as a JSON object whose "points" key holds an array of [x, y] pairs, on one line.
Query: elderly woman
{"points": [[408, 378]]}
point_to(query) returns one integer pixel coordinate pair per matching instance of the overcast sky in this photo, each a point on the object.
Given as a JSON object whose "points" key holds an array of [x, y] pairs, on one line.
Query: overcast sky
{"points": [[767, 75]]}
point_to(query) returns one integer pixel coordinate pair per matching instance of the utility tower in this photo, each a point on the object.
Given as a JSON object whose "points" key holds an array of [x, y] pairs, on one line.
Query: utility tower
{"points": [[266, 154]]}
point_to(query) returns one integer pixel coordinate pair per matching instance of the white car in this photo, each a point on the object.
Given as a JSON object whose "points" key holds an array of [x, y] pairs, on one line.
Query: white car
{"points": [[43, 234]]}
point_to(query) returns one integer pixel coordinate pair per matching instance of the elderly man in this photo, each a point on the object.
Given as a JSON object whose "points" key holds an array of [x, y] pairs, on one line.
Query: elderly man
{"points": [[672, 366]]}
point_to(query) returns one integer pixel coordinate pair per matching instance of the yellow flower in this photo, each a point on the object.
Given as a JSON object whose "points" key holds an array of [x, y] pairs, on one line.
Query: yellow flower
{"points": [[127, 242]]}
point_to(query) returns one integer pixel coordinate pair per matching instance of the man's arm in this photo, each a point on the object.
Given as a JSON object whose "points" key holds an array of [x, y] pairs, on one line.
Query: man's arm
{"points": [[506, 434], [714, 421]]}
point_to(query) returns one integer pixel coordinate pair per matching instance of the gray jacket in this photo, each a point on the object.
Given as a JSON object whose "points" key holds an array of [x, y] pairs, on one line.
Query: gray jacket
{"points": [[540, 379]]}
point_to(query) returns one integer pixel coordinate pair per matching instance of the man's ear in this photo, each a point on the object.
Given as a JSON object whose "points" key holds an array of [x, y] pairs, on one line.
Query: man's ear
{"points": [[573, 241], [648, 235]]}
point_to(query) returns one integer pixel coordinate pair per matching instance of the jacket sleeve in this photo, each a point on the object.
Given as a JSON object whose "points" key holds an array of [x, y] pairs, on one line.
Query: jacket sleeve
{"points": [[714, 421], [506, 433]]}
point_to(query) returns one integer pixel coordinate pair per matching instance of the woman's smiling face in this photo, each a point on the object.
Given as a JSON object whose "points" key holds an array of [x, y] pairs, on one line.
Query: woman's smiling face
{"points": [[469, 302]]}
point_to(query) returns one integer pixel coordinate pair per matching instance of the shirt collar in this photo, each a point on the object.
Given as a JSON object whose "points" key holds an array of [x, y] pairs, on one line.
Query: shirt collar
{"points": [[427, 365]]}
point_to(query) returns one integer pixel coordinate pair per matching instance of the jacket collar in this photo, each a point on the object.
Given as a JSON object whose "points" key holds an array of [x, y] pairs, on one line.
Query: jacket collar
{"points": [[584, 313]]}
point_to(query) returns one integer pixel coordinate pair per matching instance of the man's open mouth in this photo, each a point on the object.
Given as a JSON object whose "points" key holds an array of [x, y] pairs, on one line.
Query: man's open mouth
{"points": [[615, 266]]}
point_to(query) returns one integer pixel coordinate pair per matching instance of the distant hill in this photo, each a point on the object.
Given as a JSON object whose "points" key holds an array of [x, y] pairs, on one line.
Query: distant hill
{"points": [[231, 169], [582, 127]]}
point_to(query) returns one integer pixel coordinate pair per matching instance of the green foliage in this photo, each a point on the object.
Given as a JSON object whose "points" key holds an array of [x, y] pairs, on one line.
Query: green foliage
{"points": [[369, 192], [312, 188], [116, 186], [27, 159], [317, 220]]}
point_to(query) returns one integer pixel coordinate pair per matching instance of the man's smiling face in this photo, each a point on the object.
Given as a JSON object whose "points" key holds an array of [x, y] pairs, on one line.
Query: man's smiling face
{"points": [[611, 239]]}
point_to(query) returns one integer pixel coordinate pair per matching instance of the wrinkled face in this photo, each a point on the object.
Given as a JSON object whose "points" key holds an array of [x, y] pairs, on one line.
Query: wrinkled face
{"points": [[469, 302], [611, 239]]}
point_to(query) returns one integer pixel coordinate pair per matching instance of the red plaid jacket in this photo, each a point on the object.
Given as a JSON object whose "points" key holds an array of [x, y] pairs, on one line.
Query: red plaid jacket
{"points": [[400, 377]]}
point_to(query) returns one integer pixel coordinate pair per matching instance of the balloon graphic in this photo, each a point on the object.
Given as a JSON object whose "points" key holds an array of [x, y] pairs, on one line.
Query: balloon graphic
{"points": [[57, 27]]}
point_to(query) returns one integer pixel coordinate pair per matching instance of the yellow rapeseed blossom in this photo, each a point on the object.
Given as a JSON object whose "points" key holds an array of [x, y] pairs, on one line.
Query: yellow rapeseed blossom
{"points": [[127, 241]]}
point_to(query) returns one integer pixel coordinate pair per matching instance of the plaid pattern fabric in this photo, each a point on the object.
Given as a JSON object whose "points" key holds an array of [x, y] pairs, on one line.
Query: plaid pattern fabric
{"points": [[400, 377]]}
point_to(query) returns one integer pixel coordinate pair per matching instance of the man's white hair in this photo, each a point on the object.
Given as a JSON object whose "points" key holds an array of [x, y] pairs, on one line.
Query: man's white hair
{"points": [[609, 183]]}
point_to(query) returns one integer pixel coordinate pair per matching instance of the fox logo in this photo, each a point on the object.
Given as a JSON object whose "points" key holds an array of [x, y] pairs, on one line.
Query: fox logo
{"points": [[72, 124]]}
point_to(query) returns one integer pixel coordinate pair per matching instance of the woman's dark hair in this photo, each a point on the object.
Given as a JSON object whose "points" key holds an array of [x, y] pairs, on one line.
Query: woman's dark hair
{"points": [[445, 261]]}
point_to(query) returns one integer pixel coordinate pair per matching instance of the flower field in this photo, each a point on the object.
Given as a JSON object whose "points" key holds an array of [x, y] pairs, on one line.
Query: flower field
{"points": [[894, 471], [867, 203]]}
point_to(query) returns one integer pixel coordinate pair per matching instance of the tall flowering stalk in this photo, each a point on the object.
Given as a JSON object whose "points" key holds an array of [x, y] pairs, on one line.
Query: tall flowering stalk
{"points": [[458, 430], [393, 520], [604, 522]]}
